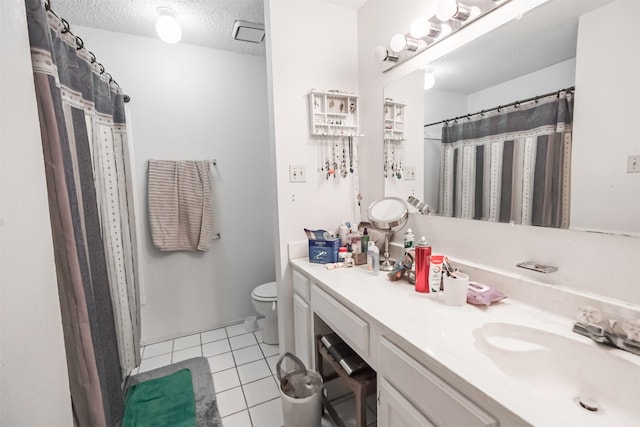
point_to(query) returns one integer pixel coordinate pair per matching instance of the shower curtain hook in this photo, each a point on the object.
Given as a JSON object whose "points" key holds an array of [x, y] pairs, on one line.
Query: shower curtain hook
{"points": [[79, 43], [65, 26]]}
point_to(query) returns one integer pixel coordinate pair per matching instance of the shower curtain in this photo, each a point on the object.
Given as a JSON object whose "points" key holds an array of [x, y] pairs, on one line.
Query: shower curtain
{"points": [[512, 165], [84, 141]]}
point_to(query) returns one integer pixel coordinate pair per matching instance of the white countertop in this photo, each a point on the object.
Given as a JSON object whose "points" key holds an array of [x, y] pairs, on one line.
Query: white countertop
{"points": [[445, 333]]}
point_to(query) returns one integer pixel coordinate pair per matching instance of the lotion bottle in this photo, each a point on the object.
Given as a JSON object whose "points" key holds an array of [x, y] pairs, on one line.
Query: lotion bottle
{"points": [[373, 258]]}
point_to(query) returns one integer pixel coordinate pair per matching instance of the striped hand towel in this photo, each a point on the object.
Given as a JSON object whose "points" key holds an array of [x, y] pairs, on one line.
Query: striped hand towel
{"points": [[180, 205]]}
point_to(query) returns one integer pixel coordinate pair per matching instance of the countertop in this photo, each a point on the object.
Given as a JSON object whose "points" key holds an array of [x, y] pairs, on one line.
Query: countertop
{"points": [[446, 334]]}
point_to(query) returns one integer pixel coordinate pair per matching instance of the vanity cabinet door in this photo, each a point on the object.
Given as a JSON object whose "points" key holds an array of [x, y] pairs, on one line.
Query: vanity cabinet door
{"points": [[443, 404], [394, 410], [301, 285], [302, 330]]}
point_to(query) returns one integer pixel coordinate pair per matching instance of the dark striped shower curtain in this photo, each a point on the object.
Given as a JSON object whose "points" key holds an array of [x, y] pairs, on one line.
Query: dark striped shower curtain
{"points": [[84, 142], [511, 166]]}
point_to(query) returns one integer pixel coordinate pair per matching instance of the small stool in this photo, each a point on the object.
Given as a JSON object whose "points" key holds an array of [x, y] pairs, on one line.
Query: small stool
{"points": [[362, 384]]}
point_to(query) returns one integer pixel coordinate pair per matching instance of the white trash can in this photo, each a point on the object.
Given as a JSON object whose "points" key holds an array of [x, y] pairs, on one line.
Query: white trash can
{"points": [[301, 392]]}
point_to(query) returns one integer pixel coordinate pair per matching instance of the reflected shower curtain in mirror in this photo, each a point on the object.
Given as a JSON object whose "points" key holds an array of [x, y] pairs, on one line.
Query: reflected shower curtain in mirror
{"points": [[87, 167], [512, 165]]}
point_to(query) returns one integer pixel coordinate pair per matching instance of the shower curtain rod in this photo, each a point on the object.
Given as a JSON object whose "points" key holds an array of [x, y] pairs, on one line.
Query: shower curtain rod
{"points": [[499, 107], [80, 45]]}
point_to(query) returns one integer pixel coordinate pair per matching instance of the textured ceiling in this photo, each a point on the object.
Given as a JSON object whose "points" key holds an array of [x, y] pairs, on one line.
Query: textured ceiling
{"points": [[207, 23]]}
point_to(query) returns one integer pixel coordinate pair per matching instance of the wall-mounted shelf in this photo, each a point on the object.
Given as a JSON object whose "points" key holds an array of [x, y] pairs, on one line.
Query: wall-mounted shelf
{"points": [[393, 120], [333, 113]]}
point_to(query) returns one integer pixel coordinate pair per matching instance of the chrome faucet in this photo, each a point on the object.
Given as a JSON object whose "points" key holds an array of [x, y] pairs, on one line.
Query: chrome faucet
{"points": [[621, 333]]}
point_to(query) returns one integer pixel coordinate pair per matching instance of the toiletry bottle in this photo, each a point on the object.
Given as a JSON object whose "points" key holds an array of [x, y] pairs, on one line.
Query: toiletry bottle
{"points": [[435, 273], [343, 232], [423, 252], [364, 240], [373, 258], [356, 245], [409, 240], [341, 253]]}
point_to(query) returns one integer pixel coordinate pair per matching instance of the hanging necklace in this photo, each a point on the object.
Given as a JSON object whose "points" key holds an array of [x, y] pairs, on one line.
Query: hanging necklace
{"points": [[351, 154]]}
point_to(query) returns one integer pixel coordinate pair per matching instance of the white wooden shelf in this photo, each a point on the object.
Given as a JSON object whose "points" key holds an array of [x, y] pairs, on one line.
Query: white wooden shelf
{"points": [[334, 113]]}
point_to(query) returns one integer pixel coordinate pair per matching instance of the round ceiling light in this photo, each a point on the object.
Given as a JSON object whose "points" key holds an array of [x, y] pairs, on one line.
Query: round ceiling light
{"points": [[167, 26]]}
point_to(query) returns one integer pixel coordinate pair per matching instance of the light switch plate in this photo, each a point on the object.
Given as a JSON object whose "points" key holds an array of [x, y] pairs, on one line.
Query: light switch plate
{"points": [[297, 173], [409, 173], [633, 163]]}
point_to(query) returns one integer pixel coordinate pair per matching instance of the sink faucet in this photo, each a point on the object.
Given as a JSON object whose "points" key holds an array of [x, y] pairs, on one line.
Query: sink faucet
{"points": [[621, 333]]}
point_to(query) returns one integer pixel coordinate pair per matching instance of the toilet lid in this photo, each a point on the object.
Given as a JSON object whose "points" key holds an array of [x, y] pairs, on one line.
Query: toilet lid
{"points": [[265, 292]]}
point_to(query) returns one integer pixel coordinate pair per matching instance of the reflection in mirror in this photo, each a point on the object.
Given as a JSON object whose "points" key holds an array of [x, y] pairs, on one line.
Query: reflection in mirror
{"points": [[499, 68]]}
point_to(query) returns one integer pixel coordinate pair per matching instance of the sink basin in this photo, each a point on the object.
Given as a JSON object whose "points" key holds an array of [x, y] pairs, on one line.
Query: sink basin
{"points": [[583, 374]]}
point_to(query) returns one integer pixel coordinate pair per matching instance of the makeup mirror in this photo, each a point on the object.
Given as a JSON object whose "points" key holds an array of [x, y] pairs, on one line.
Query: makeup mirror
{"points": [[388, 215]]}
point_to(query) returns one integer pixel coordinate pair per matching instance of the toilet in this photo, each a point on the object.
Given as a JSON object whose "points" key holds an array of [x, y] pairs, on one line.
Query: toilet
{"points": [[265, 300]]}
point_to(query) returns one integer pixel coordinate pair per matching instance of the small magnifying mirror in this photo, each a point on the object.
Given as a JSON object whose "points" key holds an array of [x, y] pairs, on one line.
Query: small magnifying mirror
{"points": [[388, 214]]}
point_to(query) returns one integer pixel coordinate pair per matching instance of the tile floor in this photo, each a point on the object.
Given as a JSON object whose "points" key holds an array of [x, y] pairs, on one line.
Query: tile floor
{"points": [[243, 370]]}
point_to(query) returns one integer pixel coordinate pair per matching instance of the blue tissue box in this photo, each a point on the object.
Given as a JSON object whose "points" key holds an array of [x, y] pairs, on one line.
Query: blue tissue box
{"points": [[323, 251]]}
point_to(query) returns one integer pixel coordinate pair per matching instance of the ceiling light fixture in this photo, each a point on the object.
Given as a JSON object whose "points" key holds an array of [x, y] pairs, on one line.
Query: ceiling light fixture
{"points": [[167, 26]]}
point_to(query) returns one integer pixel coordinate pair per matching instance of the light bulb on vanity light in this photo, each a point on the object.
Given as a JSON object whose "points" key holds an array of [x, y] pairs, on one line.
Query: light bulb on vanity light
{"points": [[422, 27], [400, 42], [452, 10], [167, 26], [381, 53]]}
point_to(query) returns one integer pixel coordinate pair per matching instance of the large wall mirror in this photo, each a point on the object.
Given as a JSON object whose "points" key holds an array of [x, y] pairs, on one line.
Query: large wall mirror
{"points": [[544, 51]]}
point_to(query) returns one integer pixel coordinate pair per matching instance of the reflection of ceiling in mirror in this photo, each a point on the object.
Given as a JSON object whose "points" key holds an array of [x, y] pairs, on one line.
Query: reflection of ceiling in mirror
{"points": [[506, 53]]}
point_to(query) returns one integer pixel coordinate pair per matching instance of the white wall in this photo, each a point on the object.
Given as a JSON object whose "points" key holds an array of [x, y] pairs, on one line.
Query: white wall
{"points": [[500, 246], [34, 386], [549, 79], [310, 44], [606, 121], [193, 103]]}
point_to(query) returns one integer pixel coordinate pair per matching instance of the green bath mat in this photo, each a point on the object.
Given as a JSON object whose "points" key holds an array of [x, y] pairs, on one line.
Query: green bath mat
{"points": [[165, 401]]}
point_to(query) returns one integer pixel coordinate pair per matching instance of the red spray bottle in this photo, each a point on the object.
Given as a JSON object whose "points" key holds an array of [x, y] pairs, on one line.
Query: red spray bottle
{"points": [[423, 253]]}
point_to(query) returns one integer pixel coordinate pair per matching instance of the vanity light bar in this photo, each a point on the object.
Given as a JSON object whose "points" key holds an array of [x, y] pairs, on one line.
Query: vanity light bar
{"points": [[425, 32]]}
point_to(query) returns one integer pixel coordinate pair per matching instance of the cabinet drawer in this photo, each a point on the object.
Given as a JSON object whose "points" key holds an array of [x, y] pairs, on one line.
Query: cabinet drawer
{"points": [[301, 285], [439, 402], [350, 327]]}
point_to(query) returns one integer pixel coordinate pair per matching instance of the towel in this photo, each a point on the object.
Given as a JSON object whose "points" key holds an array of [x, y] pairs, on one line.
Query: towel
{"points": [[180, 205]]}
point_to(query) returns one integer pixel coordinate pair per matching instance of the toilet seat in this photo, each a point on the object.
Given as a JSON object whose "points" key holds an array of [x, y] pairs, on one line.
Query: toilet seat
{"points": [[266, 292]]}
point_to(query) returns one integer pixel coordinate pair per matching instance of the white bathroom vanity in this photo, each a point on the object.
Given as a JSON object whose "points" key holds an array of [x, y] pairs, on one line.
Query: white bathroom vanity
{"points": [[509, 364]]}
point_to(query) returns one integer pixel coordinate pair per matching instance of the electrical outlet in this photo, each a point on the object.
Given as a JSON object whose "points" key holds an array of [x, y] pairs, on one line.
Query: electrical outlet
{"points": [[297, 173], [633, 163], [410, 173]]}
